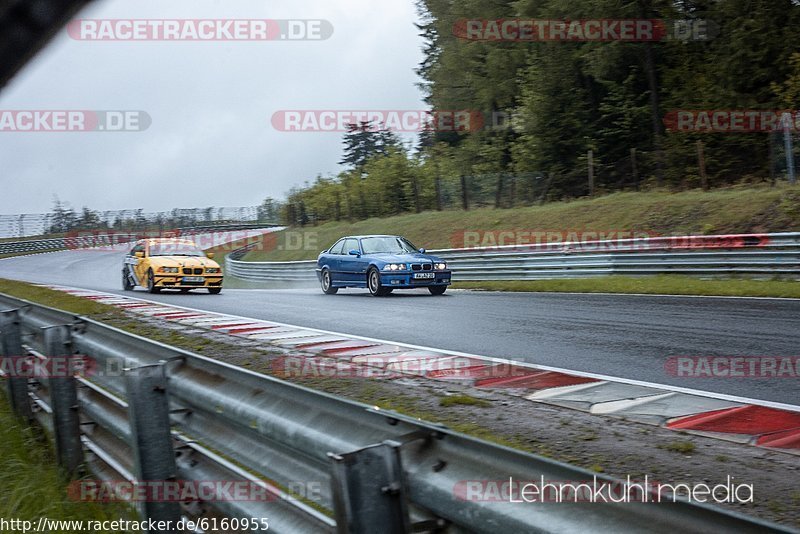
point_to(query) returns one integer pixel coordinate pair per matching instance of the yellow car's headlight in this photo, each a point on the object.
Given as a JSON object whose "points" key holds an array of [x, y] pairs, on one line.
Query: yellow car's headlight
{"points": [[168, 269], [213, 270]]}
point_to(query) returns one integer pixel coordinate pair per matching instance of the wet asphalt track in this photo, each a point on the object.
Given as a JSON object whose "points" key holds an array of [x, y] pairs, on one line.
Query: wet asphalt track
{"points": [[618, 335]]}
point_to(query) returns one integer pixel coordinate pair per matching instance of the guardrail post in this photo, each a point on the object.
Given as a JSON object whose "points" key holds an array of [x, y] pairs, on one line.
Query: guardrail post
{"points": [[63, 397], [148, 412], [11, 346], [369, 491]]}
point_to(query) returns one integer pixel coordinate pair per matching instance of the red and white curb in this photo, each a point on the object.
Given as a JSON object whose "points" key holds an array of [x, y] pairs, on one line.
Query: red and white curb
{"points": [[322, 353]]}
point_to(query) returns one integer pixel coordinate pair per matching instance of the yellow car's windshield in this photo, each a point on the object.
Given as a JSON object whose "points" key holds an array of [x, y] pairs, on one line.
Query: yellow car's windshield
{"points": [[175, 249]]}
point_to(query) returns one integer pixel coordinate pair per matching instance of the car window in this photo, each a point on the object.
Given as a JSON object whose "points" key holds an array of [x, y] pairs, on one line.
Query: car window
{"points": [[134, 250], [337, 248], [176, 248], [350, 244], [391, 244]]}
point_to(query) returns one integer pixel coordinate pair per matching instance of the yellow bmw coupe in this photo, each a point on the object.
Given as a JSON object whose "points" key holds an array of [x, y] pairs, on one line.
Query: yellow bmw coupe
{"points": [[157, 264]]}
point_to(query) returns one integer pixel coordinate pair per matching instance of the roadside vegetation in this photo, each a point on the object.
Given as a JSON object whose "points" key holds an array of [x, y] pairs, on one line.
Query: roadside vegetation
{"points": [[563, 120], [54, 299], [649, 285], [462, 400], [682, 447], [30, 483], [722, 211]]}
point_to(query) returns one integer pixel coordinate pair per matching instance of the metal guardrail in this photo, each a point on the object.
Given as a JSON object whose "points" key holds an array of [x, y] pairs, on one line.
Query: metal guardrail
{"points": [[110, 238], [151, 412], [37, 224], [764, 255], [32, 247], [62, 243], [226, 227]]}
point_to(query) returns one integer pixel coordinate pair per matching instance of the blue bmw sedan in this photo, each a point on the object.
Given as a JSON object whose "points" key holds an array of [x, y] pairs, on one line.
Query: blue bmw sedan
{"points": [[381, 263]]}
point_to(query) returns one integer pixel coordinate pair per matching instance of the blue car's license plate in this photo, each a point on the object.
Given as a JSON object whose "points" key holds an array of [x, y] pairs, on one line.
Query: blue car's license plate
{"points": [[424, 275]]}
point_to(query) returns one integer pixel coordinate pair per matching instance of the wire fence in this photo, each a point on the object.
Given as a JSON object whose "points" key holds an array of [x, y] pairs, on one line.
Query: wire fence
{"points": [[35, 224]]}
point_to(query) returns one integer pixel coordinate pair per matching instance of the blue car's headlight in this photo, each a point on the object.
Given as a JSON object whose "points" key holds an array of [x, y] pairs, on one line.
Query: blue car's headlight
{"points": [[394, 267], [441, 266]]}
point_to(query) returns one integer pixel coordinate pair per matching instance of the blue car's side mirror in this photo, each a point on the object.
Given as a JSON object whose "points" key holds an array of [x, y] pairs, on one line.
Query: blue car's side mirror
{"points": [[354, 252], [422, 251]]}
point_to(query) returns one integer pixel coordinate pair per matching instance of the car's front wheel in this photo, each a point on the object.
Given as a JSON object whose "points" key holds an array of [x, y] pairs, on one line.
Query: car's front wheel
{"points": [[327, 283], [126, 281], [215, 290], [437, 290], [151, 282], [374, 284]]}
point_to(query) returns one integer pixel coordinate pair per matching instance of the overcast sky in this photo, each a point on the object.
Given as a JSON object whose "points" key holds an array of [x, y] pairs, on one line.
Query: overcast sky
{"points": [[211, 141]]}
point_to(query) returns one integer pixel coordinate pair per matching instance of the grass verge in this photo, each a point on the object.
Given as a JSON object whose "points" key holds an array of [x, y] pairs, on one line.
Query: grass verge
{"points": [[221, 251], [465, 400], [30, 483], [721, 211], [653, 285], [54, 299]]}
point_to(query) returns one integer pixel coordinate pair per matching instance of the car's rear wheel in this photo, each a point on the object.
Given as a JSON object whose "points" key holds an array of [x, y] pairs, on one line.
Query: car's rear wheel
{"points": [[437, 290], [126, 281], [151, 282], [374, 284], [327, 284]]}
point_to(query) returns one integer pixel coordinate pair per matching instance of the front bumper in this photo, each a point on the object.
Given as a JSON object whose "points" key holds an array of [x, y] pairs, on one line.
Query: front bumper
{"points": [[406, 280], [177, 281]]}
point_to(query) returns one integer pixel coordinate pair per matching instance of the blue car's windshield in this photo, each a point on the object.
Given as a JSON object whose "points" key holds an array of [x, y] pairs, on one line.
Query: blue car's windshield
{"points": [[390, 245]]}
